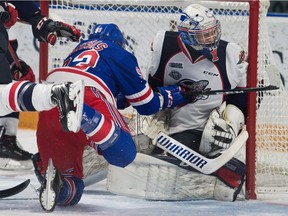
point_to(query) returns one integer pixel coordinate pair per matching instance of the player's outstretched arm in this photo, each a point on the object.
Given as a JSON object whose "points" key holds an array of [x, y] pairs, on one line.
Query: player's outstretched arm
{"points": [[44, 28]]}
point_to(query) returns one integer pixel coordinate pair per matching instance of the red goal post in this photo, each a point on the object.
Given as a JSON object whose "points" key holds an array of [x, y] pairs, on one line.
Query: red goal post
{"points": [[242, 21]]}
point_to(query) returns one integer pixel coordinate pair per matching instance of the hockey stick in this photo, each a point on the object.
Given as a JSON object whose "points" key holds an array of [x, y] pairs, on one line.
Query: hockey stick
{"points": [[14, 190], [273, 75], [14, 55], [196, 160]]}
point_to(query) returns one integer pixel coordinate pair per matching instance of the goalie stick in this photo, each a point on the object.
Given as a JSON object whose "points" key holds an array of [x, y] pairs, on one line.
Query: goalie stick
{"points": [[273, 76], [14, 190], [196, 160]]}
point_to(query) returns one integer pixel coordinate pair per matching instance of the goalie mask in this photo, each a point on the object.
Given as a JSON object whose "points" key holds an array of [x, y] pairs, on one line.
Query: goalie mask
{"points": [[200, 29], [108, 32]]}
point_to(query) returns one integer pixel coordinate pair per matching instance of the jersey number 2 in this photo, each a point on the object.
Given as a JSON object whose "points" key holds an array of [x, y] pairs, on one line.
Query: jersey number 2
{"points": [[86, 59]]}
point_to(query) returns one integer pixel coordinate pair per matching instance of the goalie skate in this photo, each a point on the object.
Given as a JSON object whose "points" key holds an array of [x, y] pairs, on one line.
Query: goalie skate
{"points": [[50, 188], [69, 99]]}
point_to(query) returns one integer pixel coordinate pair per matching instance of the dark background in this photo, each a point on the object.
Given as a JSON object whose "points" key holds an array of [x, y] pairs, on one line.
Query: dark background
{"points": [[278, 7]]}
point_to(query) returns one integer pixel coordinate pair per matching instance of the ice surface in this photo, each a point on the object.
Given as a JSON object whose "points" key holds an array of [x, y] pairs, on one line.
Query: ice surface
{"points": [[97, 201]]}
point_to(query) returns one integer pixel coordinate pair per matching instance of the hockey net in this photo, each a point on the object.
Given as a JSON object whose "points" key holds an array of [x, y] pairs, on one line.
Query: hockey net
{"points": [[140, 21]]}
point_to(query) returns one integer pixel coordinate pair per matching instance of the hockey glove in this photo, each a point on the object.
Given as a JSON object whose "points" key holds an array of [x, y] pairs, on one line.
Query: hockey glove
{"points": [[171, 96], [121, 102], [23, 73], [221, 129], [189, 87], [8, 15], [48, 30]]}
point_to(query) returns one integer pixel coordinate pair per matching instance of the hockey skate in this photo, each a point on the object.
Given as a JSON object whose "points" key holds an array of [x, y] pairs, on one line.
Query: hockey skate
{"points": [[50, 188], [69, 99], [12, 156]]}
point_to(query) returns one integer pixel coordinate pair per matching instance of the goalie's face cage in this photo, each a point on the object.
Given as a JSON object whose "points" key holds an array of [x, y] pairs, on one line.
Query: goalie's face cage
{"points": [[199, 28]]}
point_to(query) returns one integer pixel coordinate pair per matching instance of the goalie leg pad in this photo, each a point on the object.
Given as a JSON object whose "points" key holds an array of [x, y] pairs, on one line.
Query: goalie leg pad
{"points": [[232, 177], [95, 166], [223, 193], [154, 179]]}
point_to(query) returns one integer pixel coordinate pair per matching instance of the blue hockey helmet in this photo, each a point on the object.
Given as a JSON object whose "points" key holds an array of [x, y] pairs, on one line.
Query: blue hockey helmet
{"points": [[199, 28], [110, 32]]}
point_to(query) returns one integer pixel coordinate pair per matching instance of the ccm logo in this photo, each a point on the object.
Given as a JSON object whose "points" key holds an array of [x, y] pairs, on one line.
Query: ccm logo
{"points": [[210, 73]]}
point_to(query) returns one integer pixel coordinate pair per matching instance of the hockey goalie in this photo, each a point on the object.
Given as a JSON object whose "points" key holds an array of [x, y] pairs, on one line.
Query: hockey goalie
{"points": [[192, 153]]}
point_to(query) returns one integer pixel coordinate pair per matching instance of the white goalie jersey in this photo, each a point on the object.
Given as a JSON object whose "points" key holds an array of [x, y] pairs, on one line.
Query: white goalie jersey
{"points": [[172, 62]]}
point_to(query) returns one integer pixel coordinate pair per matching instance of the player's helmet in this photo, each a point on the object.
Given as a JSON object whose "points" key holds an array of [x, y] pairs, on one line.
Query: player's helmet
{"points": [[199, 28], [110, 32]]}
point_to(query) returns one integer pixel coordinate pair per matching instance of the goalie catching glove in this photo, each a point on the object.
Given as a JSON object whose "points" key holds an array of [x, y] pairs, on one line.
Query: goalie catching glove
{"points": [[222, 128], [45, 29]]}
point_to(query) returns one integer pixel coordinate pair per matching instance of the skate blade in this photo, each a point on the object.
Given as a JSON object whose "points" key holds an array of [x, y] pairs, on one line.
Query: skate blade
{"points": [[48, 195], [76, 93]]}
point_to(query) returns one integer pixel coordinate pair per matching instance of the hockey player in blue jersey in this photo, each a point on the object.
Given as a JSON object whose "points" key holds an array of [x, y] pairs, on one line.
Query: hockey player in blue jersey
{"points": [[44, 29], [109, 72], [119, 70]]}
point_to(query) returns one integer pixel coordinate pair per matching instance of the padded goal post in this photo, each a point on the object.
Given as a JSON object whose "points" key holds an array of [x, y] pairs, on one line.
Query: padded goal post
{"points": [[243, 22]]}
